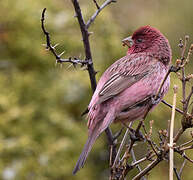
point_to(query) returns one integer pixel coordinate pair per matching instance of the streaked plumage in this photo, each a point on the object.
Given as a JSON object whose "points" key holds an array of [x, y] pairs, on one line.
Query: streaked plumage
{"points": [[124, 88]]}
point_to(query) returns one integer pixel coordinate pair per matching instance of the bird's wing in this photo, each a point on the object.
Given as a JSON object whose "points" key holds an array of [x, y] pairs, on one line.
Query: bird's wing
{"points": [[128, 71]]}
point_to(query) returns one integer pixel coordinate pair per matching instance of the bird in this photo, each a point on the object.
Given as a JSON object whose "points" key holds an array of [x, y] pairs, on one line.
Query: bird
{"points": [[124, 88]]}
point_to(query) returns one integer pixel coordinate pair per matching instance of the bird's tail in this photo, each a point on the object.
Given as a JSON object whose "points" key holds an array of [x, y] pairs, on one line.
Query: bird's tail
{"points": [[97, 130], [87, 147]]}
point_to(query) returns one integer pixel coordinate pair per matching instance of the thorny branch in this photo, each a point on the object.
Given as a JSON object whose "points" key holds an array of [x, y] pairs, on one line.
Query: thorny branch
{"points": [[88, 56], [120, 166]]}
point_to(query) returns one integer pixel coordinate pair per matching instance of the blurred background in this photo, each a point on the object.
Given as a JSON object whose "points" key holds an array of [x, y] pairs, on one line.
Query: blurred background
{"points": [[41, 131]]}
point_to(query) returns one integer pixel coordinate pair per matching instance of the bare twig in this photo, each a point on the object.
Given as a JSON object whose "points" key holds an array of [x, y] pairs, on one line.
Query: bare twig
{"points": [[171, 69], [91, 20], [142, 159], [183, 49], [171, 135], [177, 174], [85, 36], [137, 164], [188, 99], [182, 167], [184, 144], [148, 135], [121, 147], [178, 134], [51, 48], [147, 169], [98, 7], [169, 105]]}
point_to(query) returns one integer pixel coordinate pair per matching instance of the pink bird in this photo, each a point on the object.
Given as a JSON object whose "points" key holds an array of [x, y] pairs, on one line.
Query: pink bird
{"points": [[122, 91]]}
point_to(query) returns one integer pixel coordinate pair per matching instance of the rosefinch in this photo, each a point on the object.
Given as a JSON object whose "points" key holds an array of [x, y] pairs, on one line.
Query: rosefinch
{"points": [[122, 91]]}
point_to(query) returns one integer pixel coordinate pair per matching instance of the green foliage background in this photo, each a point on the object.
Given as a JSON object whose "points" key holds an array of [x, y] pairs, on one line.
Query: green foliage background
{"points": [[41, 131]]}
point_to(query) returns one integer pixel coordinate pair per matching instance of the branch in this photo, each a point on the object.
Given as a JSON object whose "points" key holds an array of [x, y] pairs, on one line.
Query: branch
{"points": [[88, 61], [85, 36], [51, 48], [177, 174], [147, 169], [99, 9], [169, 105], [171, 135], [91, 71], [137, 164], [120, 147], [171, 69], [182, 167]]}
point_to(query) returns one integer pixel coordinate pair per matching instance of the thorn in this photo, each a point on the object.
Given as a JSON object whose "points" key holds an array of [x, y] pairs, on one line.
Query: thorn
{"points": [[84, 68], [75, 16], [61, 54], [96, 72], [69, 66], [45, 45], [90, 33], [55, 45], [74, 64]]}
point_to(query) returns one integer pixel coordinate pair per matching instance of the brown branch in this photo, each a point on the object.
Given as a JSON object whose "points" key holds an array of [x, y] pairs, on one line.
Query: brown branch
{"points": [[169, 105], [52, 49], [91, 20], [188, 99], [98, 7], [91, 71], [177, 174], [171, 151], [171, 69], [186, 148], [88, 61], [148, 139], [184, 144], [143, 159], [121, 147], [182, 167], [178, 134], [86, 43], [147, 169], [137, 164]]}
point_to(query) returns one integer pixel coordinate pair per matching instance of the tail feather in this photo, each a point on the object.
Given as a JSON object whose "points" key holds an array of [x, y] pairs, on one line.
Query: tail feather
{"points": [[93, 135], [81, 161]]}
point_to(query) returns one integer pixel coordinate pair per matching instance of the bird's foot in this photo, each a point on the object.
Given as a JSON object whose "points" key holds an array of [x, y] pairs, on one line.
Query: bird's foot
{"points": [[136, 135], [155, 99]]}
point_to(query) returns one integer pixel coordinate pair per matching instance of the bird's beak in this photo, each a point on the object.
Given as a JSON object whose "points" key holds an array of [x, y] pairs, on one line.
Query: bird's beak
{"points": [[128, 41]]}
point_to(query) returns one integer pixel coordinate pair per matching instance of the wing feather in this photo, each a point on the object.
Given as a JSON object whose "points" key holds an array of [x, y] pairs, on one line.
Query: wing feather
{"points": [[128, 71]]}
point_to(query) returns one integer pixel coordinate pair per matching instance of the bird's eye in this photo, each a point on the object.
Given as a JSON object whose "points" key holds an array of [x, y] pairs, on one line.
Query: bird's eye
{"points": [[139, 40]]}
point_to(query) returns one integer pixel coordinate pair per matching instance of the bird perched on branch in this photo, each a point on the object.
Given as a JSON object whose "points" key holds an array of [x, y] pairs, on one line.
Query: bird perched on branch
{"points": [[125, 87]]}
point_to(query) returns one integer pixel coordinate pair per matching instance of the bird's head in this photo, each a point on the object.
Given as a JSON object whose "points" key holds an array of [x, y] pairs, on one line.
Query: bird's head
{"points": [[149, 40]]}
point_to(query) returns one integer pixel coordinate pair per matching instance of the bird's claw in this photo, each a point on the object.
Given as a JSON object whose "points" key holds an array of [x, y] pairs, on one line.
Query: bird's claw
{"points": [[155, 99], [136, 136]]}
